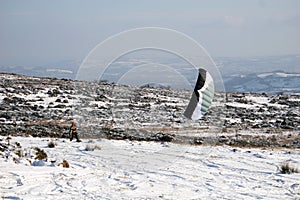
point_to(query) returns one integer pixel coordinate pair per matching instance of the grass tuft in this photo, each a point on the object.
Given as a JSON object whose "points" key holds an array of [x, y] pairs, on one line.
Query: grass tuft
{"points": [[287, 169], [65, 164], [40, 154], [19, 153]]}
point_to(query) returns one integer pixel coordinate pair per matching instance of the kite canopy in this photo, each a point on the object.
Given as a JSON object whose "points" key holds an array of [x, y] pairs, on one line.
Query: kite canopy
{"points": [[202, 96]]}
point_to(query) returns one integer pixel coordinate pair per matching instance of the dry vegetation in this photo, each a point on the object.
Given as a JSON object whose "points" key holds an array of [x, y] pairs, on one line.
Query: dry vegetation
{"points": [[286, 168]]}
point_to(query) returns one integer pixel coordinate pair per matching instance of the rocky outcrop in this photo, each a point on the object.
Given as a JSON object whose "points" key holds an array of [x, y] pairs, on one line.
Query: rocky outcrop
{"points": [[44, 107]]}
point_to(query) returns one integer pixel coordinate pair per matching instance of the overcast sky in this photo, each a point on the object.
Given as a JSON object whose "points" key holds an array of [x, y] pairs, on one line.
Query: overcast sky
{"points": [[37, 32]]}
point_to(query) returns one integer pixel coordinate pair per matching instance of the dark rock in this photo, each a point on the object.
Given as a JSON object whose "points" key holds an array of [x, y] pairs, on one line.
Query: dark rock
{"points": [[162, 137], [198, 141], [60, 106]]}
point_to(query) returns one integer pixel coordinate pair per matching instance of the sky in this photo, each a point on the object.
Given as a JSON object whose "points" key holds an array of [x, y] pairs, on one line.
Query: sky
{"points": [[37, 32]]}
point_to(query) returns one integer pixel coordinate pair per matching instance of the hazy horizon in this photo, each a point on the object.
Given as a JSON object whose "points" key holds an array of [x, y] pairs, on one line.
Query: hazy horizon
{"points": [[35, 33]]}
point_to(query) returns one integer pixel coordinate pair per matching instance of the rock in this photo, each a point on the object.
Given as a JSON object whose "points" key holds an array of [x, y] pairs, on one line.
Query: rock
{"points": [[38, 163], [162, 137], [60, 106], [222, 139], [198, 141]]}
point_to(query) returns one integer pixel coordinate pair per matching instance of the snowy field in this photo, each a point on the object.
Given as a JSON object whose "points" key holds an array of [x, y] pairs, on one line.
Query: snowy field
{"points": [[110, 169]]}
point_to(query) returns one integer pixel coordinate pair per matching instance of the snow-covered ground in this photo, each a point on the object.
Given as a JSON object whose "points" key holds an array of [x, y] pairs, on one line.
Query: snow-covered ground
{"points": [[145, 170]]}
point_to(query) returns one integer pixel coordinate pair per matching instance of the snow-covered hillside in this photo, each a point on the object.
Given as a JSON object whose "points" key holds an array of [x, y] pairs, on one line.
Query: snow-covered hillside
{"points": [[122, 169], [270, 82], [44, 107], [142, 147]]}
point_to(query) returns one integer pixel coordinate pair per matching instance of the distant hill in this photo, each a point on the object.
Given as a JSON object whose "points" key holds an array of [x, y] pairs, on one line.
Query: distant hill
{"points": [[269, 82], [270, 74]]}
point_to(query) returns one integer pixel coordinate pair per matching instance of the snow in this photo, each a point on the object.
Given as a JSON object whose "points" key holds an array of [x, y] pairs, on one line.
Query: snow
{"points": [[291, 99], [280, 74], [286, 74], [233, 120], [8, 76], [60, 71], [255, 102], [135, 170], [1, 97], [258, 99], [263, 75], [242, 105], [99, 103]]}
